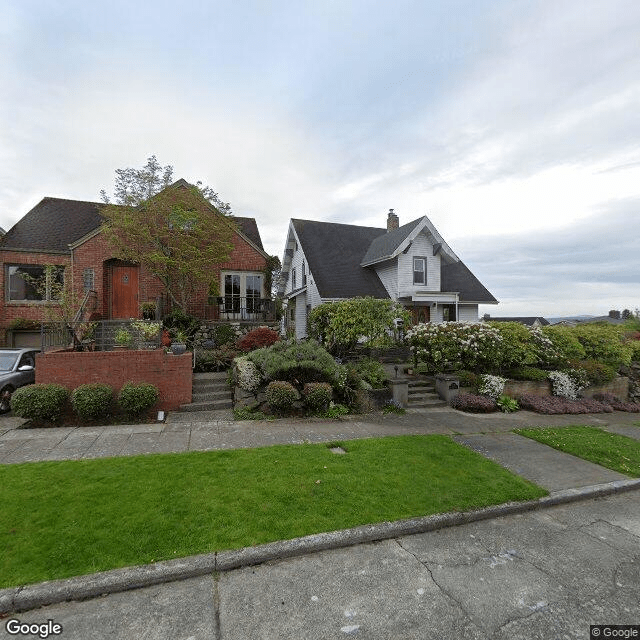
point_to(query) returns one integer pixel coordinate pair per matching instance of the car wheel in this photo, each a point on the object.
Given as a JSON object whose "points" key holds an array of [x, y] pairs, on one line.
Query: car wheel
{"points": [[5, 399]]}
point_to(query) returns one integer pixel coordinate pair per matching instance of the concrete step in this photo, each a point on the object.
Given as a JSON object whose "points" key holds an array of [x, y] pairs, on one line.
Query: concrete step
{"points": [[202, 386], [215, 405], [211, 396]]}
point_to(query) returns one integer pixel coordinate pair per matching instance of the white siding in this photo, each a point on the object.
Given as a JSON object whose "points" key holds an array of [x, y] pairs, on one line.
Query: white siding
{"points": [[421, 248], [301, 316], [388, 274], [468, 312]]}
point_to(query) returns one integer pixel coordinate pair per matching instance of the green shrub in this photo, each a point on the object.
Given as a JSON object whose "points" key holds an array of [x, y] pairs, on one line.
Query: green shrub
{"points": [[603, 342], [469, 379], [317, 396], [372, 372], [178, 320], [281, 395], [134, 398], [596, 372], [214, 359], [224, 334], [245, 413], [507, 404], [517, 347], [335, 411], [295, 362], [528, 373], [340, 326], [92, 401], [39, 401], [565, 346]]}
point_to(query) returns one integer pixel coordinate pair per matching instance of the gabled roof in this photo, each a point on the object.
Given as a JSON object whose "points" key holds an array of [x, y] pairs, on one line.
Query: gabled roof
{"points": [[52, 225], [457, 277], [55, 223], [390, 244], [333, 252]]}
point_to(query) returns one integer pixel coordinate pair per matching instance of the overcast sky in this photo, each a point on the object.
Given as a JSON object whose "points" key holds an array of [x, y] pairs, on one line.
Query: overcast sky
{"points": [[514, 125]]}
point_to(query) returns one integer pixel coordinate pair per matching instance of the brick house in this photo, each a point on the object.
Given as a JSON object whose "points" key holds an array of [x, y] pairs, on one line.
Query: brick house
{"points": [[67, 234]]}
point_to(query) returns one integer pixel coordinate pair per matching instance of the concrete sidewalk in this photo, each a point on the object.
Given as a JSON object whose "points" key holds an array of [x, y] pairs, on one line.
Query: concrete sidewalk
{"points": [[566, 477], [217, 430]]}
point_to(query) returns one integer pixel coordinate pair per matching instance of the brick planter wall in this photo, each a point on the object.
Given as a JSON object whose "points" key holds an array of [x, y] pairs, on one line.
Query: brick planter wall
{"points": [[171, 374]]}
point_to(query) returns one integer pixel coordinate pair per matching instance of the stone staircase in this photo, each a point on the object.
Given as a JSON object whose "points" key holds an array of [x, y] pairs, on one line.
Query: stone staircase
{"points": [[422, 394], [210, 392]]}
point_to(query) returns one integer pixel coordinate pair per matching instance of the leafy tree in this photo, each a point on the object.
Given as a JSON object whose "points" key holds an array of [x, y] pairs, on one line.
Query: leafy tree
{"points": [[176, 234], [134, 186], [341, 325]]}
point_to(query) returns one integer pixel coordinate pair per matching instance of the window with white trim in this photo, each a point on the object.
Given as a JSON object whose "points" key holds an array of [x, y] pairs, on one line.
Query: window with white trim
{"points": [[33, 283]]}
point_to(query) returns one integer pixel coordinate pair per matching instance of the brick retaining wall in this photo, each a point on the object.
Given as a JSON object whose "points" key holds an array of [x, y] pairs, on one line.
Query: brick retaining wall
{"points": [[171, 374]]}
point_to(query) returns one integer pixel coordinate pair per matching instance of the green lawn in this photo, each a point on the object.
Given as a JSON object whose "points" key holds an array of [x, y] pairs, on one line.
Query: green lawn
{"points": [[60, 519], [610, 450]]}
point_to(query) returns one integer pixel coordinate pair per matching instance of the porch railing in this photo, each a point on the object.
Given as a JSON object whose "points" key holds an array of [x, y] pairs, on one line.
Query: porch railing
{"points": [[242, 309], [99, 335]]}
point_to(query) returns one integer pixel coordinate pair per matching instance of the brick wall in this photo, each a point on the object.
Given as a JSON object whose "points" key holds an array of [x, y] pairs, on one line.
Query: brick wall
{"points": [[171, 374], [95, 253]]}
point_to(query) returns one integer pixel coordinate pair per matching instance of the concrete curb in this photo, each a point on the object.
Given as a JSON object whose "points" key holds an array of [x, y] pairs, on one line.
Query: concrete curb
{"points": [[28, 597]]}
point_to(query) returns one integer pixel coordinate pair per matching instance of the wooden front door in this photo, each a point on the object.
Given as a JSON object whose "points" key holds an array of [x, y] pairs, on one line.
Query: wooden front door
{"points": [[420, 314], [124, 292]]}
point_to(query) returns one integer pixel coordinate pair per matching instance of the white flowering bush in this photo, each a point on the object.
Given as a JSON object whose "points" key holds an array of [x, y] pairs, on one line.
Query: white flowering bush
{"points": [[491, 386], [247, 374], [564, 385], [452, 345]]}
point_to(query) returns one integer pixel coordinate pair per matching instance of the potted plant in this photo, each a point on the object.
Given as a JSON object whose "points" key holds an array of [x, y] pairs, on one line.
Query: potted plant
{"points": [[179, 345], [148, 331], [122, 339]]}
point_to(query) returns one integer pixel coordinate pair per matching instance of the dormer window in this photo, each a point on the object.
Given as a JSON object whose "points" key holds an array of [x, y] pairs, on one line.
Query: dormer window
{"points": [[419, 271]]}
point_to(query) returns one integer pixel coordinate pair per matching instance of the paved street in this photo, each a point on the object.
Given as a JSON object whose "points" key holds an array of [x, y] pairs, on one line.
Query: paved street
{"points": [[545, 574]]}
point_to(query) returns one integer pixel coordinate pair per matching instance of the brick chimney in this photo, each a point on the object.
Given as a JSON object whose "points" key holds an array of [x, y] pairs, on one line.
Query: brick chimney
{"points": [[392, 221]]}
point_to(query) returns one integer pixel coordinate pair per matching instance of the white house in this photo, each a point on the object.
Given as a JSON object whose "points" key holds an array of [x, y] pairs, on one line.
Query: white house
{"points": [[325, 261]]}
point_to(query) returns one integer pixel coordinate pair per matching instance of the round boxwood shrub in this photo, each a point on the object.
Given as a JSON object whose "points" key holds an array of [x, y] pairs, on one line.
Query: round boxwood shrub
{"points": [[317, 396], [40, 401], [92, 401], [136, 398], [281, 395]]}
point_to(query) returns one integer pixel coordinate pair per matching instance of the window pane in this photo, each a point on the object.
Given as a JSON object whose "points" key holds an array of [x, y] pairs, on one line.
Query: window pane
{"points": [[254, 286], [418, 270], [88, 280], [26, 282]]}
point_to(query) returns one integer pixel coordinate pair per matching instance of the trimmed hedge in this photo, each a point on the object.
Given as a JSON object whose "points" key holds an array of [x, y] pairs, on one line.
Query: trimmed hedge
{"points": [[40, 401], [317, 396], [281, 395], [134, 399], [92, 401]]}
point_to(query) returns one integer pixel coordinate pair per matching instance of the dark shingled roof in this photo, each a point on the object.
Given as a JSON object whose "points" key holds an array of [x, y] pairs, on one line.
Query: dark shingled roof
{"points": [[55, 223], [334, 252], [457, 277], [385, 244], [249, 227]]}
